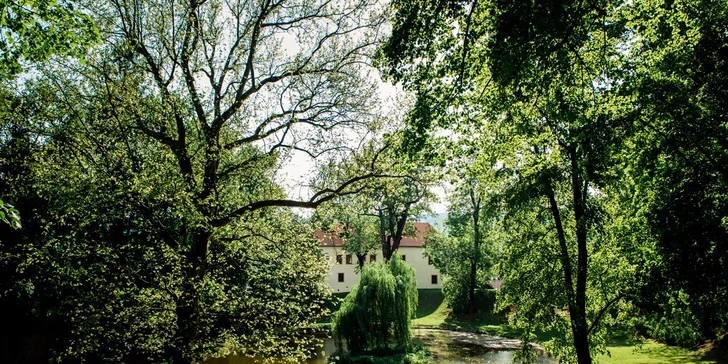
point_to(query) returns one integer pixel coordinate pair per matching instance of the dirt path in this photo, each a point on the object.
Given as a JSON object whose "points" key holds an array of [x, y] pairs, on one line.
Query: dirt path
{"points": [[470, 338]]}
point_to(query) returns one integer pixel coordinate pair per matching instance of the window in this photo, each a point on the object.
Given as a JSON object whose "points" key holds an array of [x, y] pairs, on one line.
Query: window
{"points": [[339, 259], [404, 258], [429, 261], [434, 278], [372, 258], [348, 259], [341, 277]]}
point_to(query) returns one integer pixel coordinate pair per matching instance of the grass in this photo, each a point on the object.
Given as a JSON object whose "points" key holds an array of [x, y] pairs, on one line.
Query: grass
{"points": [[432, 312], [653, 352], [429, 302]]}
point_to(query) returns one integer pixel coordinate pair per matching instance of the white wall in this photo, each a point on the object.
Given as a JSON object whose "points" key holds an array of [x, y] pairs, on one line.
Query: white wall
{"points": [[423, 270], [351, 278], [413, 257]]}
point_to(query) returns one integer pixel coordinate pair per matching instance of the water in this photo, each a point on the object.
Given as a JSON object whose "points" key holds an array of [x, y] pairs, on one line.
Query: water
{"points": [[470, 354], [443, 348]]}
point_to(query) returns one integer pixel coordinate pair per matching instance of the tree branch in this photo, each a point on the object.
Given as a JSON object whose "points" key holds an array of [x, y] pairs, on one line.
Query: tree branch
{"points": [[601, 313]]}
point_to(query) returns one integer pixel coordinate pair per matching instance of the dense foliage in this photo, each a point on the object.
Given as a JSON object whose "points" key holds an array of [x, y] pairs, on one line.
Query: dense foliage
{"points": [[678, 165], [90, 270], [452, 254], [376, 316], [147, 174], [607, 122], [34, 30]]}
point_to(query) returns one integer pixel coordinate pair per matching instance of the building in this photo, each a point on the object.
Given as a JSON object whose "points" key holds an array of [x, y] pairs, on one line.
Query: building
{"points": [[342, 265]]}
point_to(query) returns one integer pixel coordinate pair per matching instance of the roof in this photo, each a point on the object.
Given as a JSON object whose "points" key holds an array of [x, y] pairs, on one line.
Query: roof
{"points": [[327, 239]]}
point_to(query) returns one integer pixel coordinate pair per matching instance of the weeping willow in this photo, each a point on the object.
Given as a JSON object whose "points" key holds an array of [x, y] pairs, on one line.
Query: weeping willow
{"points": [[376, 316]]}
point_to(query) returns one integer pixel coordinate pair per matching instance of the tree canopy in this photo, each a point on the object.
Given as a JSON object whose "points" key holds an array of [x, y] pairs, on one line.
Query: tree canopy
{"points": [[585, 106]]}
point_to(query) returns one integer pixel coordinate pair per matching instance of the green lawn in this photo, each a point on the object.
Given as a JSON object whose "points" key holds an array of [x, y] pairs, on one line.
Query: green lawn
{"points": [[654, 352], [432, 312]]}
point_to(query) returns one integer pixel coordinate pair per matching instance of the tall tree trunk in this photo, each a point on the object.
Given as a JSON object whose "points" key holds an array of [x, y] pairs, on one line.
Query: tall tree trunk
{"points": [[577, 315], [476, 252], [580, 329], [384, 237], [392, 237]]}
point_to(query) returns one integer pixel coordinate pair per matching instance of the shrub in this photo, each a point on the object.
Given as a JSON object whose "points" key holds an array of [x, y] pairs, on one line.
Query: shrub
{"points": [[376, 315], [455, 290]]}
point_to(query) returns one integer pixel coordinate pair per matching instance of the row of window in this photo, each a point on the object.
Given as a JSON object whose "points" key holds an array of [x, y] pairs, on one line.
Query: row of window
{"points": [[372, 258], [433, 278]]}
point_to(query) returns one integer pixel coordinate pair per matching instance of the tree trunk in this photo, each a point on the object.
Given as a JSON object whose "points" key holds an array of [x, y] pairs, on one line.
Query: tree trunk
{"points": [[576, 298], [581, 340], [391, 231], [188, 308], [386, 248], [476, 253], [579, 324], [361, 259]]}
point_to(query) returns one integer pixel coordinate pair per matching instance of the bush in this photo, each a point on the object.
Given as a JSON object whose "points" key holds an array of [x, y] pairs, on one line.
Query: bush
{"points": [[455, 290], [376, 315], [677, 324]]}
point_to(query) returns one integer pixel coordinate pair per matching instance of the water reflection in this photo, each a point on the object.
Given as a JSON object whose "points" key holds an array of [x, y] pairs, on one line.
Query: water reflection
{"points": [[443, 351], [453, 353]]}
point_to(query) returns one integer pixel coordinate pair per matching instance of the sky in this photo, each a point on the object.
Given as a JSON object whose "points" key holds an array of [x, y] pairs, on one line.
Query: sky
{"points": [[299, 168]]}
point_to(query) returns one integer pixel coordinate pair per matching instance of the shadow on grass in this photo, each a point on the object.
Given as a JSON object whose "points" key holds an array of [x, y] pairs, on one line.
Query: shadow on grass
{"points": [[429, 300], [489, 323], [625, 350]]}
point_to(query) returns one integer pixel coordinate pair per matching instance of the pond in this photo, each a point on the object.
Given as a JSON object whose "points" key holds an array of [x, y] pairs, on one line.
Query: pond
{"points": [[446, 347]]}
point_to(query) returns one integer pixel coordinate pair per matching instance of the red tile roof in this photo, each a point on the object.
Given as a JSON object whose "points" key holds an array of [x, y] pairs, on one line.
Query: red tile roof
{"points": [[327, 239]]}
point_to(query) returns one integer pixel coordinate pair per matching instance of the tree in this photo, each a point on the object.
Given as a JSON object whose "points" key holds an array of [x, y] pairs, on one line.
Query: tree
{"points": [[181, 117], [344, 217], [393, 202], [376, 316], [678, 164], [34, 30], [453, 257], [470, 221], [94, 268], [394, 198], [540, 78]]}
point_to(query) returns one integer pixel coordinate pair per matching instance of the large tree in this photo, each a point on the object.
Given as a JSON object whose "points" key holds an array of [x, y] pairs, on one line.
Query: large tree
{"points": [[540, 78], [181, 120], [472, 215], [678, 164]]}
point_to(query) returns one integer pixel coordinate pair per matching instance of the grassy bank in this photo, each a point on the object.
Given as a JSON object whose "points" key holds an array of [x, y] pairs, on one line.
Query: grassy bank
{"points": [[433, 313]]}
